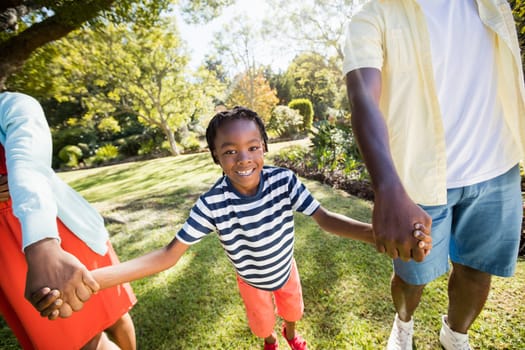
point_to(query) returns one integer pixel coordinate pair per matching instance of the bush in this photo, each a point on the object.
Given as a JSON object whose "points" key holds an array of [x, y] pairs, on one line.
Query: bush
{"points": [[104, 154], [285, 121], [129, 146], [334, 148], [70, 155], [191, 144], [305, 109]]}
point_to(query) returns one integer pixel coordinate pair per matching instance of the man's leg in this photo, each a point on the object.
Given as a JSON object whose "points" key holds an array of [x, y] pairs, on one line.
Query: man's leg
{"points": [[468, 290], [406, 297]]}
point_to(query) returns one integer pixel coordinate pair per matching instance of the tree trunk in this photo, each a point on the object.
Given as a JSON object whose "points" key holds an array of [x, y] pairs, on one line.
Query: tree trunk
{"points": [[171, 139], [17, 49]]}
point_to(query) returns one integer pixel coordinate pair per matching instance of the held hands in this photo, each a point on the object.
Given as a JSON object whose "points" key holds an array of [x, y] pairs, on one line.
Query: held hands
{"points": [[56, 280], [4, 190], [400, 226]]}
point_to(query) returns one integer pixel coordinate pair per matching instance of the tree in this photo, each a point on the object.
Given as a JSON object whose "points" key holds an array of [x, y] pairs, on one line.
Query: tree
{"points": [[237, 45], [311, 25], [254, 93], [128, 69], [314, 79], [281, 83], [27, 25]]}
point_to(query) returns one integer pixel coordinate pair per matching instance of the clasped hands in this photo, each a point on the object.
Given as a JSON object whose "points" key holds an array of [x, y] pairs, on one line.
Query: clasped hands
{"points": [[57, 283]]}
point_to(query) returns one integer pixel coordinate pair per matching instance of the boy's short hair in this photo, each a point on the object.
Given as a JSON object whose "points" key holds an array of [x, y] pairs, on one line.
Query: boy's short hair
{"points": [[224, 117]]}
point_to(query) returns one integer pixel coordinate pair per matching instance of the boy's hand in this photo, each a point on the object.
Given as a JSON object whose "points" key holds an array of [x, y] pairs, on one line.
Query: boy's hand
{"points": [[425, 240], [47, 302]]}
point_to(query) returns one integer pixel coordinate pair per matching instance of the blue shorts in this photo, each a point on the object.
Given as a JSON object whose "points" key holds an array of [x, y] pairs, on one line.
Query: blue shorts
{"points": [[479, 227]]}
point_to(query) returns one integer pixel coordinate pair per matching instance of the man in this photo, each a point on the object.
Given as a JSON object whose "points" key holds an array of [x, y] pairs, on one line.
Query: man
{"points": [[437, 97]]}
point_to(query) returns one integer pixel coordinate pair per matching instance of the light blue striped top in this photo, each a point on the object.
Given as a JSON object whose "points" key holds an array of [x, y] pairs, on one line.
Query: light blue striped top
{"points": [[256, 232]]}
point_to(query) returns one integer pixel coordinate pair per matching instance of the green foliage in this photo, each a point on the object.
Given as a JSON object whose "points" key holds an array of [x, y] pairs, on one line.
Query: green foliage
{"points": [[148, 146], [70, 155], [334, 148], [285, 121], [191, 143], [314, 78], [109, 125], [518, 9], [297, 156], [127, 70], [281, 83], [201, 11], [104, 154], [305, 108], [47, 21]]}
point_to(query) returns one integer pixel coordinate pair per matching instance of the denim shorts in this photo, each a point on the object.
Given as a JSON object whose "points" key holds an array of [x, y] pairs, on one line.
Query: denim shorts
{"points": [[479, 227]]}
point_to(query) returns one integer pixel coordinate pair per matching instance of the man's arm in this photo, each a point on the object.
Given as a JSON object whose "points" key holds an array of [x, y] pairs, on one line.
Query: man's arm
{"points": [[394, 214]]}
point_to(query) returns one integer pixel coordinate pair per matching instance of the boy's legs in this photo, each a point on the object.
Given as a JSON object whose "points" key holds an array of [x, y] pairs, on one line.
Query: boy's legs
{"points": [[290, 306], [260, 310], [260, 307]]}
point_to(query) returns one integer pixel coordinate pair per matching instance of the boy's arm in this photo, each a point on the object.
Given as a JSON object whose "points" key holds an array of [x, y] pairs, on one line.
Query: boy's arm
{"points": [[48, 301], [146, 265], [343, 226], [349, 228]]}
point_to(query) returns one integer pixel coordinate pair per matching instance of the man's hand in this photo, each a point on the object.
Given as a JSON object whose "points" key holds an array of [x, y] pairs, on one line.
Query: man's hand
{"points": [[4, 190], [393, 220], [50, 266]]}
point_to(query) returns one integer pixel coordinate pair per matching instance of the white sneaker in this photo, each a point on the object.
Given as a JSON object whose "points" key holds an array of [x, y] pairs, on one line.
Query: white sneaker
{"points": [[451, 340], [401, 335]]}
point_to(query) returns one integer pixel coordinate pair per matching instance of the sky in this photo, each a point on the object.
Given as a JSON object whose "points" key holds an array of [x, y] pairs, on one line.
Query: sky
{"points": [[198, 38]]}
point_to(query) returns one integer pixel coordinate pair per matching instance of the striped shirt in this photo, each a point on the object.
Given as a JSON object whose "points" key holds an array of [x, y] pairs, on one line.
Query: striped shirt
{"points": [[256, 232]]}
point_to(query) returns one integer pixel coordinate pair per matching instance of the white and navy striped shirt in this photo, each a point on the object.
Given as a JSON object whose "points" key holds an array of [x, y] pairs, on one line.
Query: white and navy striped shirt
{"points": [[257, 232]]}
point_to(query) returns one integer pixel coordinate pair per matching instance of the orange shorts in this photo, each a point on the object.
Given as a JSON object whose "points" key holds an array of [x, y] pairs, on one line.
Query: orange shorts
{"points": [[260, 308], [35, 332]]}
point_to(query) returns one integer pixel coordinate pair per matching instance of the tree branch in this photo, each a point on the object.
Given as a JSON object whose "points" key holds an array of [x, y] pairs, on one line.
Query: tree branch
{"points": [[17, 49]]}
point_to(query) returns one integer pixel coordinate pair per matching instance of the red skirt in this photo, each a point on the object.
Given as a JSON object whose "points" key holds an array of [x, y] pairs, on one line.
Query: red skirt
{"points": [[35, 332]]}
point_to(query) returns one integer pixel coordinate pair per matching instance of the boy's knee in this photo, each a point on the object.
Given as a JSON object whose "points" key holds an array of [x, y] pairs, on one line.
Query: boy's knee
{"points": [[261, 325]]}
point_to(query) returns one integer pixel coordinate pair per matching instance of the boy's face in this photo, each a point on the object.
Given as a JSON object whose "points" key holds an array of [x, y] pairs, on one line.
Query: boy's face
{"points": [[239, 150]]}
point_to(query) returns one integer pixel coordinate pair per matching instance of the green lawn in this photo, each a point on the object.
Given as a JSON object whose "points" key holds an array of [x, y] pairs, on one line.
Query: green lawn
{"points": [[195, 305]]}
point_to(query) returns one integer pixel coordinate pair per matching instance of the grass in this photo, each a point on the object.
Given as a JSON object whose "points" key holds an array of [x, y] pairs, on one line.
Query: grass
{"points": [[195, 305]]}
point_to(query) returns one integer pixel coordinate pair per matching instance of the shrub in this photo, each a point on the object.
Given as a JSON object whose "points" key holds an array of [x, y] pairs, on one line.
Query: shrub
{"points": [[109, 125], [104, 154], [129, 146], [334, 148], [285, 121], [70, 155], [305, 109], [191, 144]]}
